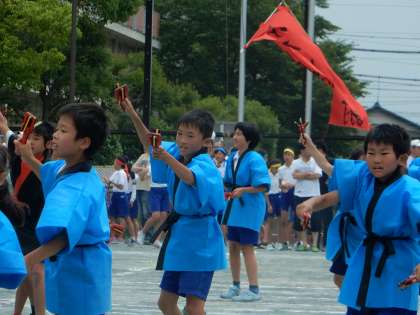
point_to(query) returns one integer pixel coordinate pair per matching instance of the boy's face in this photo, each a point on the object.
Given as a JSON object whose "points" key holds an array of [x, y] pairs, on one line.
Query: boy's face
{"points": [[37, 143], [189, 140], [274, 169], [64, 144], [304, 154], [288, 157], [219, 156], [239, 140], [382, 160]]}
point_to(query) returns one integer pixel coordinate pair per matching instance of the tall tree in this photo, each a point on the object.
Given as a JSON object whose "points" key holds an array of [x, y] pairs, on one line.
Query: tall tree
{"points": [[200, 44]]}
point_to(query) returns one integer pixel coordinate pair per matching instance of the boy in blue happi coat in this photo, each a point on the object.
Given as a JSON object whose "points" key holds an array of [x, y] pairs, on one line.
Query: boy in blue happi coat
{"points": [[73, 227], [193, 248], [386, 207]]}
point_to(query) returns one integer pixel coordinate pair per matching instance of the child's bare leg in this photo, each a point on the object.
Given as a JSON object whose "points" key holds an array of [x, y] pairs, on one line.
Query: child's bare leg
{"points": [[152, 221], [194, 306], [250, 264], [338, 280], [21, 296], [130, 227], [235, 260], [38, 289], [168, 303]]}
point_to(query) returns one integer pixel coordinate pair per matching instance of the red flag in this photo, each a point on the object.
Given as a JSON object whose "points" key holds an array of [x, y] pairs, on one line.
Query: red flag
{"points": [[283, 28]]}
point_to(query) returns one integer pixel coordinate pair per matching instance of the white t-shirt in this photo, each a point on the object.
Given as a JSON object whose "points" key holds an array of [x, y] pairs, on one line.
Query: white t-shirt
{"points": [[275, 183], [144, 161], [221, 168], [307, 187], [286, 174], [119, 177]]}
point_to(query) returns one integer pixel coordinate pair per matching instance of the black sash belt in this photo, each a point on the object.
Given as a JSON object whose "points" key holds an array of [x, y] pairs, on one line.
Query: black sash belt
{"points": [[344, 221], [369, 242], [229, 205]]}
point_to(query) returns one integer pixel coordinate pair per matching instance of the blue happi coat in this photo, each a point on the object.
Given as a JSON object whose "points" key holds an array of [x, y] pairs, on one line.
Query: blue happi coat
{"points": [[12, 265], [390, 228], [249, 210], [414, 169], [343, 235], [196, 242], [78, 279]]}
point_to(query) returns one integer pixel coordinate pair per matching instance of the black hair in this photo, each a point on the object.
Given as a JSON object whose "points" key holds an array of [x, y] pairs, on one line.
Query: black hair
{"points": [[12, 209], [90, 121], [130, 170], [200, 119], [45, 130], [356, 154], [274, 161], [250, 132], [389, 134]]}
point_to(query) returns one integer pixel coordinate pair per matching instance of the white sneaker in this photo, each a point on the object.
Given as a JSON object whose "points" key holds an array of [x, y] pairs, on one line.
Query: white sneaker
{"points": [[270, 247], [157, 244], [140, 238], [247, 296], [231, 292]]}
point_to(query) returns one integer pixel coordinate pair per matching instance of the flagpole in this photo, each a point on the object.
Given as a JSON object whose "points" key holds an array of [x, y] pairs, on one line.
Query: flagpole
{"points": [[241, 97], [309, 75]]}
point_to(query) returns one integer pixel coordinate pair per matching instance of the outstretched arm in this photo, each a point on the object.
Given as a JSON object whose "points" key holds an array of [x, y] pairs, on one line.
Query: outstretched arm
{"points": [[319, 158], [140, 127], [317, 203]]}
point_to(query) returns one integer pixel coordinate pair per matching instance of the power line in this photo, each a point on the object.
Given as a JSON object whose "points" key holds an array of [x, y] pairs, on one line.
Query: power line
{"points": [[374, 36], [385, 77], [393, 90], [388, 51]]}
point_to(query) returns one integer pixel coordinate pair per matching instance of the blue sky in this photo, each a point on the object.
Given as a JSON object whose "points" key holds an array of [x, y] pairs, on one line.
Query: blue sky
{"points": [[387, 25]]}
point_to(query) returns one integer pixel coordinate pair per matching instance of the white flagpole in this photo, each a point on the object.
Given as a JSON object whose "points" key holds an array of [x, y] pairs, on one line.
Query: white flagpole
{"points": [[242, 42], [309, 75]]}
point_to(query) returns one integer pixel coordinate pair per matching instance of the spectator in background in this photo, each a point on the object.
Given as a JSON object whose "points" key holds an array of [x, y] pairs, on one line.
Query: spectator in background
{"points": [[142, 168], [287, 187], [414, 151], [306, 173], [220, 160], [274, 205]]}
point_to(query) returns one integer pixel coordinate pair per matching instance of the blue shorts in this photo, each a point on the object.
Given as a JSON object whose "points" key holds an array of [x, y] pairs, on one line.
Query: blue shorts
{"points": [[159, 199], [184, 283], [242, 235], [119, 205], [133, 211], [275, 202], [287, 200], [380, 311]]}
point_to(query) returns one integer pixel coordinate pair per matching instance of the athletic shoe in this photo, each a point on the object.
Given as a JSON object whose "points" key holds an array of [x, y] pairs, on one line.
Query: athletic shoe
{"points": [[157, 244], [247, 296], [140, 238], [284, 247], [301, 248], [315, 249], [270, 247], [232, 292]]}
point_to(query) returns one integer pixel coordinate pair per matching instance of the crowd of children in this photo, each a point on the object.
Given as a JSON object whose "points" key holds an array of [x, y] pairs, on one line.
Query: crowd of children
{"points": [[197, 199]]}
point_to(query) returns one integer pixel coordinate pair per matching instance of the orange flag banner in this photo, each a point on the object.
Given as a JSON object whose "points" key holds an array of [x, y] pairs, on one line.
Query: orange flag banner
{"points": [[284, 29]]}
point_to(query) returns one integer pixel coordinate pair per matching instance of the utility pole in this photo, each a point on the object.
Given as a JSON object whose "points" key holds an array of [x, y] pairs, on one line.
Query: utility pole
{"points": [[310, 28], [148, 49], [73, 50], [242, 42]]}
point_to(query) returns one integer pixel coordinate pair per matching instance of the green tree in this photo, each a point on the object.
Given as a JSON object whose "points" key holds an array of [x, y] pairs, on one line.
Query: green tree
{"points": [[31, 35], [195, 51]]}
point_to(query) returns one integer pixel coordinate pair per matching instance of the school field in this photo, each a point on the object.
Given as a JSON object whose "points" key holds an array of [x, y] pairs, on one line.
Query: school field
{"points": [[292, 283]]}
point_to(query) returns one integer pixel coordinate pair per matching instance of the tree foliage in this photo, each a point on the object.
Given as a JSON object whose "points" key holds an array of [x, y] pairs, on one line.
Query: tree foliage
{"points": [[32, 35]]}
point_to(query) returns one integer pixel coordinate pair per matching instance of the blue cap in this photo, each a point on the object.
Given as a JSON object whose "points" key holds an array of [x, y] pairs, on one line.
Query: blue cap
{"points": [[220, 149]]}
